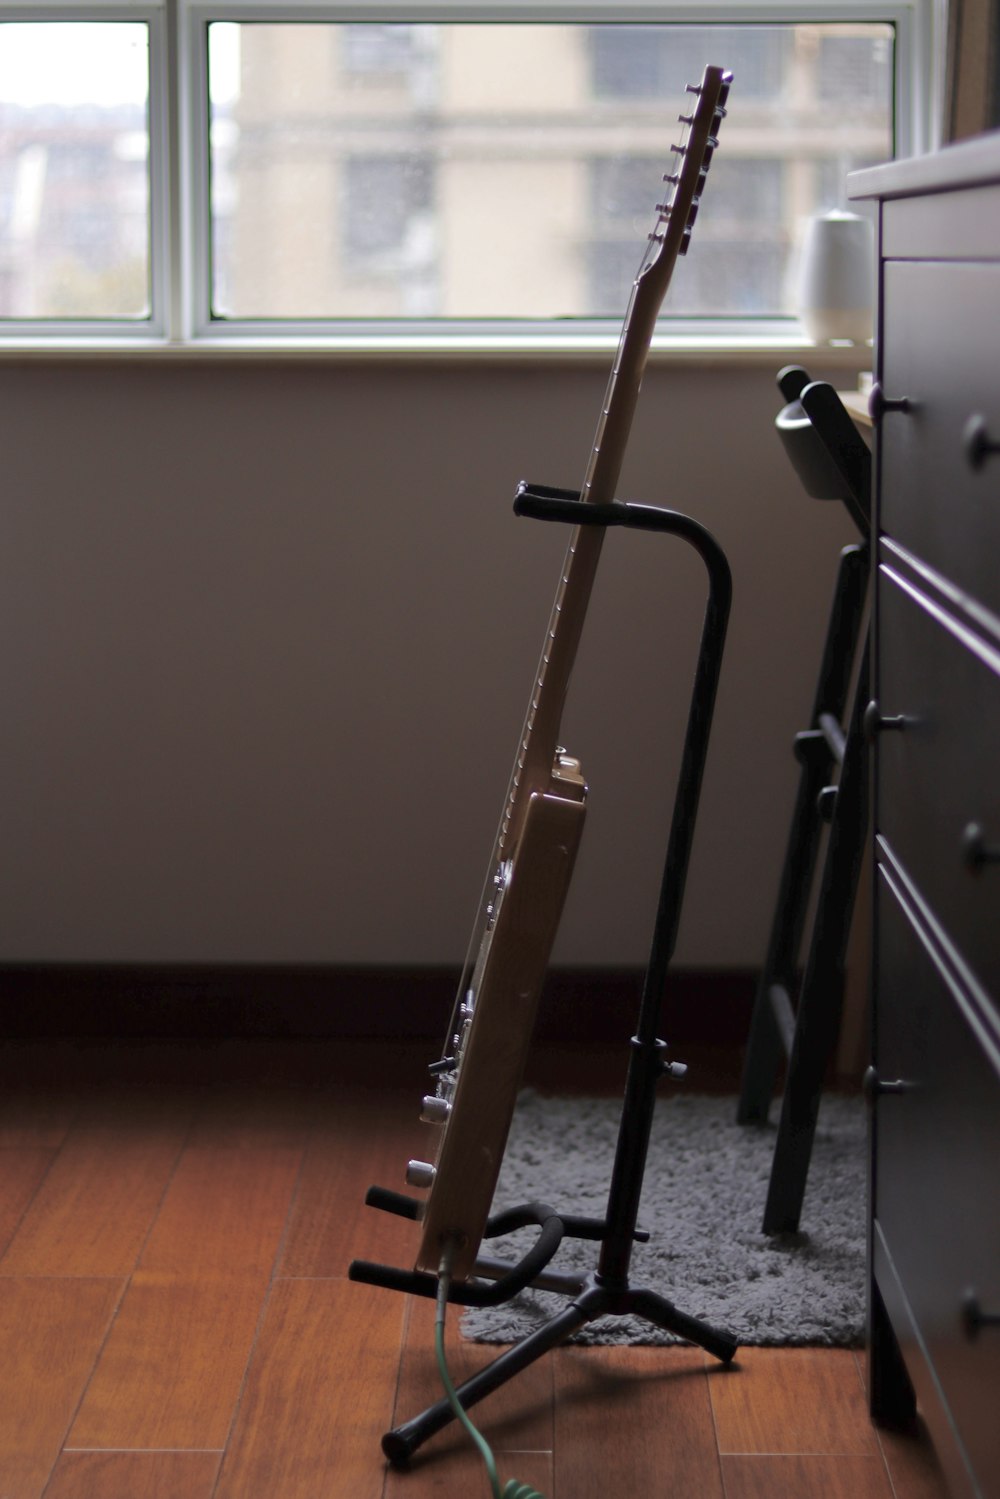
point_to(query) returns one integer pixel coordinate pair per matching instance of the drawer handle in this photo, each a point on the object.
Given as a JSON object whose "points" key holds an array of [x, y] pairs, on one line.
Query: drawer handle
{"points": [[873, 1086], [976, 851], [977, 442], [879, 403], [974, 1319], [875, 722]]}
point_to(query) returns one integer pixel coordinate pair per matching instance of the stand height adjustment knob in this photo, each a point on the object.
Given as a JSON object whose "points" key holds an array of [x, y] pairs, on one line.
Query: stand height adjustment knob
{"points": [[420, 1174]]}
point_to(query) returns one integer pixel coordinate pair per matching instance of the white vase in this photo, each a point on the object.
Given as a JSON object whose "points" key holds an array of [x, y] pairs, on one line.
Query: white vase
{"points": [[837, 278]]}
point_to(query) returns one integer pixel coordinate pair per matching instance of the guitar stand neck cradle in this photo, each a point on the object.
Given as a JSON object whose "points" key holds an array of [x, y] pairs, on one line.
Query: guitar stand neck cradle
{"points": [[607, 1291]]}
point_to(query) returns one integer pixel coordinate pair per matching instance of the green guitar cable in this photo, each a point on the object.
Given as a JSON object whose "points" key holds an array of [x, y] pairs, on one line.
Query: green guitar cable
{"points": [[512, 1489]]}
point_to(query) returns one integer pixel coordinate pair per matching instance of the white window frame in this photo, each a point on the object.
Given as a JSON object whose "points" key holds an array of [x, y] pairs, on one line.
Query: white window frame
{"points": [[180, 227]]}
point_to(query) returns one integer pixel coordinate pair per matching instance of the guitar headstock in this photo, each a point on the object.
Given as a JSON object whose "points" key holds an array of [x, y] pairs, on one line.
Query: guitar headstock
{"points": [[671, 234]]}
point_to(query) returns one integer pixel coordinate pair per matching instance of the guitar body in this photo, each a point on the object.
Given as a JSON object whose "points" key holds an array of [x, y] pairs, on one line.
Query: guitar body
{"points": [[492, 1022], [512, 963]]}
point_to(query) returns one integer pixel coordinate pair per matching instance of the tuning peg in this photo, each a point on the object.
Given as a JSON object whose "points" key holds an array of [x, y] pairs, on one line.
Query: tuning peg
{"points": [[685, 119], [693, 88], [720, 113], [685, 241], [672, 178], [679, 150], [692, 215]]}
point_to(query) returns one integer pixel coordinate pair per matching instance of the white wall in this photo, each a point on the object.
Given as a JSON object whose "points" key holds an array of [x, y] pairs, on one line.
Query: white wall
{"points": [[268, 633]]}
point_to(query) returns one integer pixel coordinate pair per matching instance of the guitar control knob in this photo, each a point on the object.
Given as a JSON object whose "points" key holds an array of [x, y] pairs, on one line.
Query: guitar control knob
{"points": [[420, 1174], [435, 1110]]}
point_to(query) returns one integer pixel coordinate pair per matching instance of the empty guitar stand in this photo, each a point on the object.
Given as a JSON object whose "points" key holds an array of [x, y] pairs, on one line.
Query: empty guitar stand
{"points": [[606, 1292], [833, 461]]}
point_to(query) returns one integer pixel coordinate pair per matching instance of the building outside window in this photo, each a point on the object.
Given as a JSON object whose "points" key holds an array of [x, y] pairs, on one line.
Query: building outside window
{"points": [[536, 154]]}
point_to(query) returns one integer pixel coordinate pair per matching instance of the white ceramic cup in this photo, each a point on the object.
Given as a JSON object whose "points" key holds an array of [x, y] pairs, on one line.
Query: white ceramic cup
{"points": [[836, 288]]}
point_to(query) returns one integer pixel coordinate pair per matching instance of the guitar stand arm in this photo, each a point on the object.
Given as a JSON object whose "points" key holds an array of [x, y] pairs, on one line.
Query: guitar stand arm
{"points": [[506, 1279], [543, 502], [472, 1292]]}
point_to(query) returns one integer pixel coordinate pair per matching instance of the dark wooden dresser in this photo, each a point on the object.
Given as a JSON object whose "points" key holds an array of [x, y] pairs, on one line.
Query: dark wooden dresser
{"points": [[935, 723]]}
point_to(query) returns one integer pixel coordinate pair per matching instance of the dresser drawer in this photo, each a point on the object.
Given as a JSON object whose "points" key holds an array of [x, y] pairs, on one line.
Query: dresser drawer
{"points": [[941, 334], [968, 229], [936, 1148], [937, 776]]}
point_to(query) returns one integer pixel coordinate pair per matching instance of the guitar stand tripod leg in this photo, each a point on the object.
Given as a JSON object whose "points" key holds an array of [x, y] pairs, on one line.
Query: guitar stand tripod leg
{"points": [[608, 1292], [595, 1301]]}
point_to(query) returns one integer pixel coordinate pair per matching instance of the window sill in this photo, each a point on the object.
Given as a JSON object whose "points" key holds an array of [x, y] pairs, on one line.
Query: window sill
{"points": [[451, 348]]}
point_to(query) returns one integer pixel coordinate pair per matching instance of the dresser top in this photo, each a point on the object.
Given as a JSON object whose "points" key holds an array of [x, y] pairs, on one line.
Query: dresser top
{"points": [[963, 164]]}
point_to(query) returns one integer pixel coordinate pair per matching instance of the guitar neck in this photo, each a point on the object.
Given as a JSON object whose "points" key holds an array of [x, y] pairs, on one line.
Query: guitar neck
{"points": [[539, 739], [540, 735]]}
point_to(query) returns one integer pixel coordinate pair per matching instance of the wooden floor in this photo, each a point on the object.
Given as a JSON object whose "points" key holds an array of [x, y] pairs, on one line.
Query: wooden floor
{"points": [[176, 1322]]}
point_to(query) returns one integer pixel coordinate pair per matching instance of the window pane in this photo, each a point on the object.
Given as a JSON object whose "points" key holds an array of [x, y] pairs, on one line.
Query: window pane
{"points": [[510, 171], [74, 169]]}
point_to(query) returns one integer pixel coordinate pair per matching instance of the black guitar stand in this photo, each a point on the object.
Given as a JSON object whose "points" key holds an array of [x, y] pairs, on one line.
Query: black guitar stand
{"points": [[607, 1291]]}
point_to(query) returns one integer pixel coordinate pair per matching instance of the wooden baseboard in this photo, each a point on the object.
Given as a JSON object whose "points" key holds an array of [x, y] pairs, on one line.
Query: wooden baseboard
{"points": [[195, 1000]]}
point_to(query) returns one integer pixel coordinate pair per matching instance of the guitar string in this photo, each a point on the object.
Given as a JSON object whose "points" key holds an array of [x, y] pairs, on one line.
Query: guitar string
{"points": [[654, 250], [571, 564], [595, 487], [605, 491]]}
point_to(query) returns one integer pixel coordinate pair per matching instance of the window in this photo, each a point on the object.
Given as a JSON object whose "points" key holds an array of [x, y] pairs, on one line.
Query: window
{"points": [[74, 170], [273, 168], [485, 171]]}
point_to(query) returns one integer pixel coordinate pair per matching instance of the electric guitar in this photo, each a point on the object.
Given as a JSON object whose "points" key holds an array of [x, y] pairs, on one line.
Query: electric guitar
{"points": [[489, 1033]]}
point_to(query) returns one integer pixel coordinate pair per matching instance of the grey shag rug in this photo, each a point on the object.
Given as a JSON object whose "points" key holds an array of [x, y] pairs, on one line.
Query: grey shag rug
{"points": [[703, 1201]]}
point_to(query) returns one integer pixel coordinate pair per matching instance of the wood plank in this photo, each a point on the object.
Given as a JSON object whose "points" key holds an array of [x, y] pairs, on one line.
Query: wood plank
{"points": [[793, 1477], [357, 1142], [225, 1212], [912, 1463], [21, 1174], [34, 1118], [134, 1475], [171, 1372], [515, 1420], [248, 1115], [909, 1456], [319, 1394], [93, 1211], [51, 1332], [626, 1417], [437, 1474], [792, 1400]]}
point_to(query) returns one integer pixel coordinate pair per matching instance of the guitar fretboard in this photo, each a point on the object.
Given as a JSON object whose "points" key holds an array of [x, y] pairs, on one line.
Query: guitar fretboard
{"points": [[539, 738]]}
